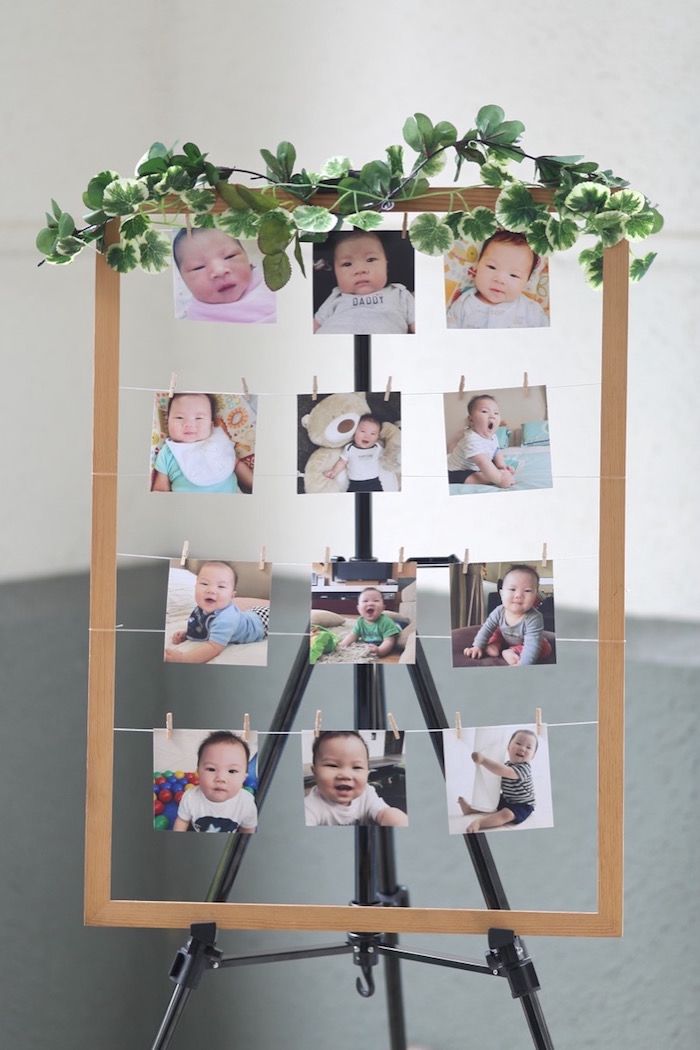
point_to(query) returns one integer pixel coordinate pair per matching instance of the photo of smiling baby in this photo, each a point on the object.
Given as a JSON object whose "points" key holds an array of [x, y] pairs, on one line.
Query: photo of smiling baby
{"points": [[217, 277], [363, 284], [354, 777], [217, 612], [500, 283], [203, 442]]}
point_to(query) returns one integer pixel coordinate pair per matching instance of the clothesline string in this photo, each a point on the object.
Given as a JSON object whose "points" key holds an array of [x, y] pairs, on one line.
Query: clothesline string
{"points": [[298, 732], [304, 634]]}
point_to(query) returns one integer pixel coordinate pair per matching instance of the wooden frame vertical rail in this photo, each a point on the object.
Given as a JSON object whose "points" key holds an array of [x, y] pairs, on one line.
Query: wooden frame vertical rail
{"points": [[101, 909]]}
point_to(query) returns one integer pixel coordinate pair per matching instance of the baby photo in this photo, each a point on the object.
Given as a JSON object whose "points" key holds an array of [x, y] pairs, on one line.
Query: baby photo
{"points": [[203, 442], [497, 777], [363, 612], [500, 283], [363, 284], [204, 780], [219, 278], [349, 442], [354, 777], [502, 614], [497, 440], [217, 612]]}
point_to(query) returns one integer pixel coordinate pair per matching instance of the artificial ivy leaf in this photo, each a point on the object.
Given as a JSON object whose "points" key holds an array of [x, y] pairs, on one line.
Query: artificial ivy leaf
{"points": [[488, 118], [537, 237], [277, 270], [274, 171], [66, 225], [156, 166], [303, 184], [123, 197], [506, 133], [444, 133], [425, 130], [628, 201], [158, 150], [494, 175], [609, 225], [394, 156], [515, 208], [92, 198], [254, 199], [135, 227], [175, 179], [415, 188], [192, 151], [205, 221], [46, 241], [639, 267], [336, 168], [51, 221], [298, 255], [587, 198], [591, 260], [477, 225], [365, 220], [658, 220], [55, 208], [286, 157], [431, 235], [122, 257], [198, 200], [154, 252], [641, 225], [56, 260], [230, 195], [434, 165], [561, 233], [69, 245], [314, 219], [275, 231], [375, 176], [453, 219], [503, 154], [238, 223]]}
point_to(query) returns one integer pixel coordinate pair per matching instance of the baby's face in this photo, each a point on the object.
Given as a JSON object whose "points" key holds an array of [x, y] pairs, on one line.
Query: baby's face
{"points": [[522, 748], [370, 605], [360, 265], [190, 418], [222, 770], [519, 592], [502, 272], [215, 587], [367, 434], [341, 769], [485, 416], [214, 266]]}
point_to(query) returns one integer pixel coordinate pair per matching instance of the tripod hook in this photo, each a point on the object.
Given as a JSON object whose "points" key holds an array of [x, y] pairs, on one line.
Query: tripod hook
{"points": [[366, 991]]}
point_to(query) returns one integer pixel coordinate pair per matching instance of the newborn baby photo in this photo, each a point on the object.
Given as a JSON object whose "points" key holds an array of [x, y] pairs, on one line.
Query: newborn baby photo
{"points": [[219, 278]]}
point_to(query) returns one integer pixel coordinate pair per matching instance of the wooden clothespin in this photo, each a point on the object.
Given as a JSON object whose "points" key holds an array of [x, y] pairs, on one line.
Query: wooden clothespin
{"points": [[399, 565], [538, 720], [327, 562], [188, 223], [261, 563], [317, 724], [544, 555], [393, 726], [461, 388], [458, 725], [246, 728], [169, 725], [173, 384], [314, 389], [465, 563], [526, 385], [185, 553], [404, 226], [244, 386], [387, 391]]}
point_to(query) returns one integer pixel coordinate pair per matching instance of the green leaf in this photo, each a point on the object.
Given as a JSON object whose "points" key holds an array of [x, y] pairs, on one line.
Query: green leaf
{"points": [[415, 188], [444, 133], [298, 255], [477, 225], [154, 252], [277, 270], [205, 222], [419, 133], [158, 150], [69, 245], [275, 231], [561, 233], [135, 227], [95, 218], [254, 199], [175, 179], [537, 237], [641, 225], [274, 171], [46, 241], [434, 165], [494, 175], [375, 177], [394, 156], [515, 208], [243, 223], [313, 219], [591, 260], [431, 235], [123, 197], [56, 260], [56, 209], [506, 133], [230, 195], [156, 166], [198, 200], [639, 267], [192, 151], [364, 220], [453, 220], [488, 118], [587, 198], [92, 198], [286, 158], [335, 168], [609, 225], [66, 225], [628, 201], [122, 257]]}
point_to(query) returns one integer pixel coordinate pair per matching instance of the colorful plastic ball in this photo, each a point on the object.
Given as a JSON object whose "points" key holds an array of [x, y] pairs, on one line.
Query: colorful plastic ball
{"points": [[159, 780], [165, 795], [171, 812], [190, 777], [179, 773], [178, 795], [161, 823], [158, 807], [167, 773]]}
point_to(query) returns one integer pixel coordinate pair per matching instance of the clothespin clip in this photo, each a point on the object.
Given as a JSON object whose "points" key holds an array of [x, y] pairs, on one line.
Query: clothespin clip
{"points": [[387, 391], [261, 563], [185, 553], [173, 384], [404, 226], [169, 725], [327, 562], [244, 386], [465, 563], [458, 725], [314, 389], [188, 223], [399, 566], [317, 724], [544, 555], [538, 720], [461, 387], [393, 726], [246, 728], [526, 386]]}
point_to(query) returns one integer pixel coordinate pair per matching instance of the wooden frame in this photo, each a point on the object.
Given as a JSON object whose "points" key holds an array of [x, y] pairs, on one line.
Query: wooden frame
{"points": [[606, 921]]}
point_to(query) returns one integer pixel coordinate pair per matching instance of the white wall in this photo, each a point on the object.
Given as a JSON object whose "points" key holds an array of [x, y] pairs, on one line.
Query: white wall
{"points": [[89, 86]]}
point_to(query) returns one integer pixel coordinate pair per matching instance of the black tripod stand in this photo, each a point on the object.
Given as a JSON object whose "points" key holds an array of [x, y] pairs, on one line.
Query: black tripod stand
{"points": [[376, 882]]}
